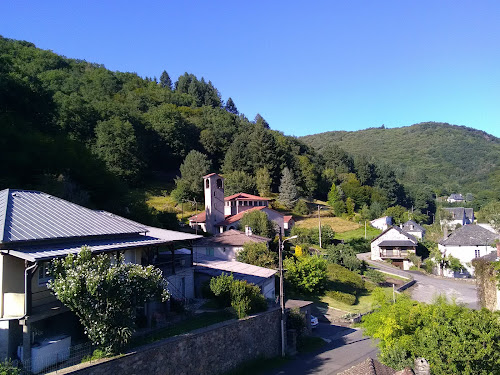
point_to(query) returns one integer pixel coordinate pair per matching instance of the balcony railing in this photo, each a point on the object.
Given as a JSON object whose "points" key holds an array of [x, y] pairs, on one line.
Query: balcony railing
{"points": [[395, 253]]}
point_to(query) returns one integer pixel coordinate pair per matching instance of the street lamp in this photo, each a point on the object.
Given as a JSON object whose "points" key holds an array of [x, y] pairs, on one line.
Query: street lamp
{"points": [[282, 289]]}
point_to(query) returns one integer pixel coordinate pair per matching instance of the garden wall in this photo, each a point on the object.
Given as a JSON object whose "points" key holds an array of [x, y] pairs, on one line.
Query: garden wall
{"points": [[211, 350]]}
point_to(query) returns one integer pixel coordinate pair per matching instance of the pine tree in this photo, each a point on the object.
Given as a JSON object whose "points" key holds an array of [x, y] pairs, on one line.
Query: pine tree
{"points": [[231, 107], [165, 80], [263, 182], [288, 189]]}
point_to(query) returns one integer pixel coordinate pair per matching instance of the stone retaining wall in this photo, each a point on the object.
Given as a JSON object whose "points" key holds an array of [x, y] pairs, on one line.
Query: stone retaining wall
{"points": [[211, 350]]}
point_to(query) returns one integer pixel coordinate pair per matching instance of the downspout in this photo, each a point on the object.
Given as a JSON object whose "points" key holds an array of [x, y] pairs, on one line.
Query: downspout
{"points": [[28, 275]]}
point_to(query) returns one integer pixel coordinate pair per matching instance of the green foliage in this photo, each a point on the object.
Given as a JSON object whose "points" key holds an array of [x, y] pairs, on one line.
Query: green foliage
{"points": [[399, 214], [375, 276], [301, 208], [263, 181], [243, 297], [104, 293], [190, 185], [237, 182], [453, 338], [311, 235], [415, 259], [344, 255], [333, 196], [288, 189], [490, 214], [351, 282], [306, 274], [258, 254], [346, 298], [7, 368], [296, 320], [259, 222]]}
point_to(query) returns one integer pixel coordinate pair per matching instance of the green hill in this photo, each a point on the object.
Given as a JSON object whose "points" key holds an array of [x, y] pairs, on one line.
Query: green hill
{"points": [[447, 158]]}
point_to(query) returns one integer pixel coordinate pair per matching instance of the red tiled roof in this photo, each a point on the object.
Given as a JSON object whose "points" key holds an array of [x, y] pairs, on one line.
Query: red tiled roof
{"points": [[287, 218], [199, 218], [245, 197], [234, 218]]}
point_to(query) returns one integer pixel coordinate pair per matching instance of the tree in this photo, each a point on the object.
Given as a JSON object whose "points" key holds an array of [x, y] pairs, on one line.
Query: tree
{"points": [[231, 107], [453, 338], [258, 254], [259, 120], [490, 214], [116, 144], [104, 292], [344, 255], [333, 196], [306, 274], [263, 182], [165, 80], [288, 189], [237, 182], [398, 213], [349, 205], [259, 222], [190, 184]]}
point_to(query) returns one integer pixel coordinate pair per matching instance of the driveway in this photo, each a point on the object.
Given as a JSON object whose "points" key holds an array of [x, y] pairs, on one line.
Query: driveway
{"points": [[344, 348], [428, 287]]}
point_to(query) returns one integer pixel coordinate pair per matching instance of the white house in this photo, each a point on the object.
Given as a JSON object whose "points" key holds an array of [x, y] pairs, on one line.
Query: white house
{"points": [[458, 216], [414, 229], [394, 244], [382, 223], [466, 243], [454, 198], [222, 214], [226, 245]]}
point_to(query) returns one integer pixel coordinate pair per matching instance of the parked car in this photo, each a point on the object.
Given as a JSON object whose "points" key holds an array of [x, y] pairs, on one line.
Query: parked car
{"points": [[314, 321]]}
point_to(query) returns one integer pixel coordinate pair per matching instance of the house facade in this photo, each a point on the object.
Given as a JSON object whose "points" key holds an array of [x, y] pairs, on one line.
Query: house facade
{"points": [[382, 223], [413, 228], [458, 216], [396, 245], [455, 198], [467, 243], [222, 214], [36, 228]]}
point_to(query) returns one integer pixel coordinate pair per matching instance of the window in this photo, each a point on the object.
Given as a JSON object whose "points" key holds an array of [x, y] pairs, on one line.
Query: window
{"points": [[219, 183], [44, 273], [477, 253], [207, 184]]}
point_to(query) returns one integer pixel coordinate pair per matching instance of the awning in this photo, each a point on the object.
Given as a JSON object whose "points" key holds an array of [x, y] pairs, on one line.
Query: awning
{"points": [[37, 253], [397, 243]]}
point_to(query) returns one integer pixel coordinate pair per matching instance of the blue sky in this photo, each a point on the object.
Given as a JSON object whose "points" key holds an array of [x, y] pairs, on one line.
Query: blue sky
{"points": [[305, 66]]}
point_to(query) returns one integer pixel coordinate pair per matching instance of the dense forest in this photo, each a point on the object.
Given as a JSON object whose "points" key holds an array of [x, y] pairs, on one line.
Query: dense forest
{"points": [[442, 157], [97, 137]]}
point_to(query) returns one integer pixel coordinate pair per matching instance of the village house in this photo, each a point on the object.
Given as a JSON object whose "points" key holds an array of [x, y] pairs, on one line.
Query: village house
{"points": [[36, 228], [454, 198], [224, 213], [413, 228], [396, 245], [382, 223], [458, 216], [467, 243]]}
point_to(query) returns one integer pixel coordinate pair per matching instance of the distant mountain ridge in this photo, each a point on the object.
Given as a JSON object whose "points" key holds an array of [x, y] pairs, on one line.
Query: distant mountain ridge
{"points": [[448, 158]]}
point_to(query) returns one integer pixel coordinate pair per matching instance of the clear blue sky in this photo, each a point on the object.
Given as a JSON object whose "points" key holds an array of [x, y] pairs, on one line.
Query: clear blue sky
{"points": [[305, 66]]}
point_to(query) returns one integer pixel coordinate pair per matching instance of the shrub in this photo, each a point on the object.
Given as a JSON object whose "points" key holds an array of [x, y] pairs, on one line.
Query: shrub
{"points": [[296, 320], [306, 274], [375, 276], [346, 298], [343, 275], [221, 288], [301, 208], [7, 368]]}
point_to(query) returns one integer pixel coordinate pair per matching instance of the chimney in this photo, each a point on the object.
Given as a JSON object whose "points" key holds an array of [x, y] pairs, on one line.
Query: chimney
{"points": [[421, 367], [248, 230]]}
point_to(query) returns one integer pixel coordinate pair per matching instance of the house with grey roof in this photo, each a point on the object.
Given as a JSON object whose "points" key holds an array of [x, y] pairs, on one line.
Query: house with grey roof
{"points": [[467, 243], [226, 245], [34, 229], [454, 198], [413, 228], [457, 216], [396, 245]]}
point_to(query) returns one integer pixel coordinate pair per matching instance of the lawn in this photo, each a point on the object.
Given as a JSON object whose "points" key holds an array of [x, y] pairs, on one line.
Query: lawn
{"points": [[338, 224], [363, 304], [167, 203], [371, 232]]}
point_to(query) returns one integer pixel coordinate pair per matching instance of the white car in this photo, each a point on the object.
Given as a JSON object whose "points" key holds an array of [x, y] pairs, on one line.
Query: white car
{"points": [[314, 321]]}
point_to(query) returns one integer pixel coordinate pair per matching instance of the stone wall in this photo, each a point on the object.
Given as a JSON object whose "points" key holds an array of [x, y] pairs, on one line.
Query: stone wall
{"points": [[212, 350]]}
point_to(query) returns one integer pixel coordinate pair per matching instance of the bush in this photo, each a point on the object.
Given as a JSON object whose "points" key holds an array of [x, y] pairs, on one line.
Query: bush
{"points": [[343, 275], [306, 274], [221, 288], [7, 368], [296, 320], [375, 276], [344, 255], [346, 298], [301, 208]]}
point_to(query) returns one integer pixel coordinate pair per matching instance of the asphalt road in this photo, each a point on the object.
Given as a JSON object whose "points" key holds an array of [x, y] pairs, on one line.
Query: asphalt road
{"points": [[428, 287], [345, 348]]}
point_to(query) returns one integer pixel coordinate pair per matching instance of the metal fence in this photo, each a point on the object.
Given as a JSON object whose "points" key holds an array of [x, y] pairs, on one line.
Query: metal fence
{"points": [[58, 360]]}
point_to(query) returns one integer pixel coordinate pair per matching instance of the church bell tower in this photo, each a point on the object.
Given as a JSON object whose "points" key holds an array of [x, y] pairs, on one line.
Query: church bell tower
{"points": [[214, 201]]}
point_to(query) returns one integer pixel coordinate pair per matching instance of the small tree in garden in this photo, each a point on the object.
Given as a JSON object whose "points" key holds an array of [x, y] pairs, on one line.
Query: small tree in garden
{"points": [[104, 292]]}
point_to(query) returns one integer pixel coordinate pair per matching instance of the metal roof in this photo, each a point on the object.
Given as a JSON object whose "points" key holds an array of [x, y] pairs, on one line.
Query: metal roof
{"points": [[50, 251], [32, 215]]}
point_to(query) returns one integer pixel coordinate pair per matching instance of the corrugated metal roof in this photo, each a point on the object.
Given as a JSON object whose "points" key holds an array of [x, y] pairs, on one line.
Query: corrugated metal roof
{"points": [[32, 215], [51, 251]]}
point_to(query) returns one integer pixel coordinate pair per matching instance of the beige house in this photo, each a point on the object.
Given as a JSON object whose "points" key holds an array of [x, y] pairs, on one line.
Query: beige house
{"points": [[34, 229], [396, 245]]}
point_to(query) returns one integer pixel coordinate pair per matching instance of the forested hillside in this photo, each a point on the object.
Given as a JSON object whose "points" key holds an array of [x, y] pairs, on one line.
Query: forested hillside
{"points": [[79, 131], [444, 157]]}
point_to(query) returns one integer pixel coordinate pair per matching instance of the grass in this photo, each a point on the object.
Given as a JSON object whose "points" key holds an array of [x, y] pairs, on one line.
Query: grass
{"points": [[363, 304], [359, 232], [338, 224], [167, 203], [258, 366], [199, 321]]}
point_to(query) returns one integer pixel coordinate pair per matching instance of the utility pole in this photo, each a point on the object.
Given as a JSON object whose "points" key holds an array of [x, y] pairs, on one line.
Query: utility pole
{"points": [[365, 229], [282, 294], [319, 226]]}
